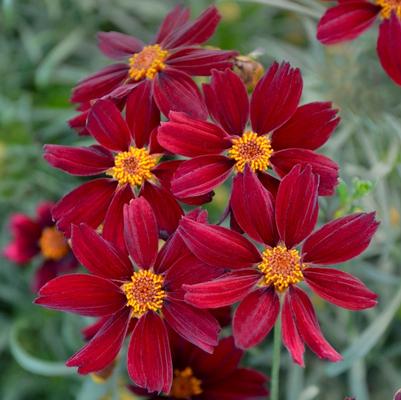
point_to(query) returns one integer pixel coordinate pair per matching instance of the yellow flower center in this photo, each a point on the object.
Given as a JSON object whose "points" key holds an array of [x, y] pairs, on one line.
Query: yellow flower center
{"points": [[251, 149], [133, 166], [185, 385], [53, 245], [281, 267], [144, 293], [147, 63], [388, 7]]}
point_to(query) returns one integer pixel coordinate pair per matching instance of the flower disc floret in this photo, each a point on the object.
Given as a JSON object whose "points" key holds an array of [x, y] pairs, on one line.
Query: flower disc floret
{"points": [[251, 149], [53, 244], [185, 384], [281, 267], [147, 63], [388, 7]]}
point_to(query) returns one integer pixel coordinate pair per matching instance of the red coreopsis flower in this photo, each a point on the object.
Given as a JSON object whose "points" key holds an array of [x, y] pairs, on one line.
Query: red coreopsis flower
{"points": [[133, 169], [158, 75], [260, 278], [269, 130], [143, 295], [217, 376], [39, 237], [350, 18]]}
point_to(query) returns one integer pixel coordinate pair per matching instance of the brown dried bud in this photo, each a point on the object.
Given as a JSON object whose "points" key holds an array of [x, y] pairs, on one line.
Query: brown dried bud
{"points": [[249, 70]]}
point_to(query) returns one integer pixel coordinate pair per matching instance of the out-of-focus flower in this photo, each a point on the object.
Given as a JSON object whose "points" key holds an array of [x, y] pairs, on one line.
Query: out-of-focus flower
{"points": [[350, 18], [259, 279], [144, 294], [217, 376], [249, 70], [158, 74], [129, 155], [281, 133], [39, 237]]}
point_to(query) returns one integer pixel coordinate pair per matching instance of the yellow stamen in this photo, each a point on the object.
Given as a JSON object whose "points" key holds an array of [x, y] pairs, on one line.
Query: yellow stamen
{"points": [[144, 293], [251, 149], [388, 7], [147, 63], [281, 267], [53, 245], [133, 166], [185, 385]]}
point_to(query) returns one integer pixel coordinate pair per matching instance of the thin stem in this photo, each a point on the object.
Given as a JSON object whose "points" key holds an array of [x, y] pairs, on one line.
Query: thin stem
{"points": [[275, 375]]}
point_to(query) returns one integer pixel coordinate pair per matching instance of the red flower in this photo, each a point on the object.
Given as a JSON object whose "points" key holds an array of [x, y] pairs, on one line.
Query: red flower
{"points": [[39, 236], [281, 135], [258, 278], [148, 295], [158, 75], [350, 18], [132, 166], [202, 376]]}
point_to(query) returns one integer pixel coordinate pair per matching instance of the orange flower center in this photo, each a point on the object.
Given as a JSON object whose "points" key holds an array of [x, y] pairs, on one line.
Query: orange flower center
{"points": [[388, 7], [147, 63], [281, 267], [144, 293], [251, 149], [185, 385], [53, 244], [133, 166]]}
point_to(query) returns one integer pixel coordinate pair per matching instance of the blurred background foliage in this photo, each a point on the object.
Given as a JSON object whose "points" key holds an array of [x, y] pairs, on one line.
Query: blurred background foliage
{"points": [[46, 46]]}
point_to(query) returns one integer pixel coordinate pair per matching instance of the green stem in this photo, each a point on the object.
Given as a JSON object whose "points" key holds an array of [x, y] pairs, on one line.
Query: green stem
{"points": [[275, 375]]}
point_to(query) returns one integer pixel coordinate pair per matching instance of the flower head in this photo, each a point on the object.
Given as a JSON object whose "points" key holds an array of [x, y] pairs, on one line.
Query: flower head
{"points": [[39, 237], [143, 296], [259, 279], [267, 132], [160, 72], [349, 19]]}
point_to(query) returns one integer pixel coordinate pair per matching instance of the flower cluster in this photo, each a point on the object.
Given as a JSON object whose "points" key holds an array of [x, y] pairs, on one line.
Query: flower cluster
{"points": [[158, 273]]}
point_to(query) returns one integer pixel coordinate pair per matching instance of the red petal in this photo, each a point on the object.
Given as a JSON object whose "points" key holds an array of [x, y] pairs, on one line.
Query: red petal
{"points": [[227, 101], [218, 246], [177, 17], [176, 91], [99, 256], [87, 203], [291, 339], [195, 32], [308, 325], [309, 128], [222, 292], [340, 288], [142, 113], [196, 326], [82, 161], [255, 317], [149, 357], [191, 137], [200, 175], [113, 226], [78, 123], [253, 208], [269, 182], [104, 347], [297, 207], [275, 98], [389, 47], [108, 127], [81, 294], [99, 84], [140, 232], [90, 331], [117, 45], [165, 207], [346, 21], [200, 62], [284, 160], [340, 240]]}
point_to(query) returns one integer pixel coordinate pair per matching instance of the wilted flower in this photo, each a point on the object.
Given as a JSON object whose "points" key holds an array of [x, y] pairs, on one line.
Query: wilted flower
{"points": [[143, 295], [39, 237], [349, 19], [260, 278]]}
